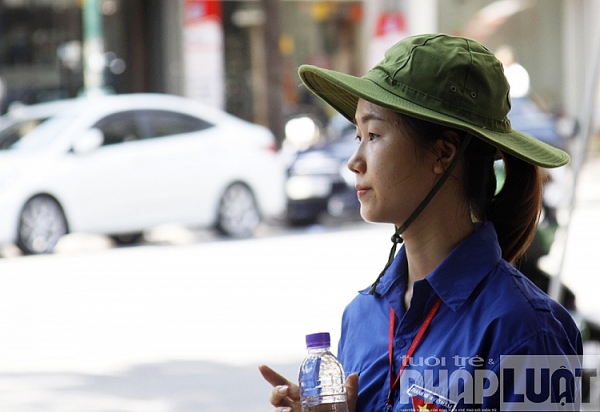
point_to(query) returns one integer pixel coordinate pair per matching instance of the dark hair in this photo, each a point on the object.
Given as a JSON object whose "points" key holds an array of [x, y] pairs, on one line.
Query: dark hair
{"points": [[515, 209]]}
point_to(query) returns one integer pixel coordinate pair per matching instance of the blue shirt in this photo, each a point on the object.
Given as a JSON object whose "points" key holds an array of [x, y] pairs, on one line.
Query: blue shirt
{"points": [[489, 310]]}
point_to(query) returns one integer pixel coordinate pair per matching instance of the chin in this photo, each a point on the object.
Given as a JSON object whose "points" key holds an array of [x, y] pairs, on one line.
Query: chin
{"points": [[369, 216]]}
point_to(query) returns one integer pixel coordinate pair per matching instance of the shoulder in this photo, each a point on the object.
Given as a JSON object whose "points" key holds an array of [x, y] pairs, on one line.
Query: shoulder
{"points": [[516, 294], [518, 308]]}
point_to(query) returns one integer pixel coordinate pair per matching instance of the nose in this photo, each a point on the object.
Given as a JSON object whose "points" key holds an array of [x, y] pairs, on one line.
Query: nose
{"points": [[356, 163]]}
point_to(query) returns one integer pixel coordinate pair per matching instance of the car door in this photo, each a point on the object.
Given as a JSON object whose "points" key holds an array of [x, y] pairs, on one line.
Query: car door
{"points": [[111, 183], [186, 156]]}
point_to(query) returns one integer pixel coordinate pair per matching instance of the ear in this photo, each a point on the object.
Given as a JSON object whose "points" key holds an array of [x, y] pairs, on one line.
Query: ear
{"points": [[445, 150]]}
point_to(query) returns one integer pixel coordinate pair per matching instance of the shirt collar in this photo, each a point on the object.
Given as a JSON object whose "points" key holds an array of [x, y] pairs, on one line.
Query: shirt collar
{"points": [[466, 266], [459, 273]]}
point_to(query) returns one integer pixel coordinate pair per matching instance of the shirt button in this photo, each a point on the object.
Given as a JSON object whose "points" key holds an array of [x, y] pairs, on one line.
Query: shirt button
{"points": [[401, 343]]}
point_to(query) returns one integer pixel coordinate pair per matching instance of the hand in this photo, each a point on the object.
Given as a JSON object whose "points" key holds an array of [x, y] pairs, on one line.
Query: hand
{"points": [[285, 396], [351, 385]]}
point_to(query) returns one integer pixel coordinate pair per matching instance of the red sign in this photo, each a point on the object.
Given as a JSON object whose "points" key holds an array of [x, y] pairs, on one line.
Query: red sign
{"points": [[389, 23], [199, 10]]}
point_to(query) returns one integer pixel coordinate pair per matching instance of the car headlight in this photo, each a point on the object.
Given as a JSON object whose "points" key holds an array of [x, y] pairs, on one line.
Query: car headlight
{"points": [[307, 187]]}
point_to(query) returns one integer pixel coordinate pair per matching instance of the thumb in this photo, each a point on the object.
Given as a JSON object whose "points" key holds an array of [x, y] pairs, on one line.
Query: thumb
{"points": [[352, 391]]}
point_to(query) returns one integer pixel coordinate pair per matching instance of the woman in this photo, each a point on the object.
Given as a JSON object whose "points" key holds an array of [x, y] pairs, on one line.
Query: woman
{"points": [[444, 325]]}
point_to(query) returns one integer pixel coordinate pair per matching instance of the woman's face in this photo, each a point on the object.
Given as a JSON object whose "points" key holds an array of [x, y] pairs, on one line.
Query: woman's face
{"points": [[393, 173]]}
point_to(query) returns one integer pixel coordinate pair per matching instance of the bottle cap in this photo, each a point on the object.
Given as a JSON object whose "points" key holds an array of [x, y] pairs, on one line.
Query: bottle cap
{"points": [[318, 340]]}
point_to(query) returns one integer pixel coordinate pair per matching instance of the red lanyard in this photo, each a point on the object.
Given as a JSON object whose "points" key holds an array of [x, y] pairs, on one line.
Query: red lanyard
{"points": [[395, 383]]}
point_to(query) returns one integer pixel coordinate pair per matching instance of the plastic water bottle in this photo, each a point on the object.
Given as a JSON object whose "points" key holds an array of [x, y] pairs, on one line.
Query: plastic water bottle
{"points": [[321, 377]]}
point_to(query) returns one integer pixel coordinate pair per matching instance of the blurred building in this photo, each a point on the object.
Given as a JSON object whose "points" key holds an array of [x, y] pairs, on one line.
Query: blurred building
{"points": [[215, 50], [42, 45], [554, 40]]}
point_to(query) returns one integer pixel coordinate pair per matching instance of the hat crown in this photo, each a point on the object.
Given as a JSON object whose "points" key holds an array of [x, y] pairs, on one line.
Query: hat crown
{"points": [[451, 75], [446, 80]]}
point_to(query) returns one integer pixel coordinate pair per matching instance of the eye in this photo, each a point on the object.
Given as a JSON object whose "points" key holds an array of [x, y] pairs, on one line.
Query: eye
{"points": [[373, 136], [357, 138]]}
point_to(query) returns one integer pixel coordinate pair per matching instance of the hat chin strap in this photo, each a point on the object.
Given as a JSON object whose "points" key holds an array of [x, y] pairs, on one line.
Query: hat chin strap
{"points": [[397, 236]]}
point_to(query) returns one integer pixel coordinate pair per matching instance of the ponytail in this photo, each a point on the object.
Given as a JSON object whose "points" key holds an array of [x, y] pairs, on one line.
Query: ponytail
{"points": [[516, 209]]}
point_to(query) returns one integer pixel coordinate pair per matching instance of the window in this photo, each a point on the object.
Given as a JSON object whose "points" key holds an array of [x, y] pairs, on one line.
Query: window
{"points": [[14, 133], [161, 123], [119, 128]]}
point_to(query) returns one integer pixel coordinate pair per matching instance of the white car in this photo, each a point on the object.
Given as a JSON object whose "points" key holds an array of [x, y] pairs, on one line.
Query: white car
{"points": [[118, 165]]}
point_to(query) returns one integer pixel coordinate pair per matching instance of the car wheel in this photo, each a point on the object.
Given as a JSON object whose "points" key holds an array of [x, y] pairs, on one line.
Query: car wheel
{"points": [[238, 213], [41, 224], [302, 221], [127, 239]]}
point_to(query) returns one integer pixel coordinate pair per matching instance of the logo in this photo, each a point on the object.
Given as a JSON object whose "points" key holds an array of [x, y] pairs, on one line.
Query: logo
{"points": [[547, 383], [519, 383]]}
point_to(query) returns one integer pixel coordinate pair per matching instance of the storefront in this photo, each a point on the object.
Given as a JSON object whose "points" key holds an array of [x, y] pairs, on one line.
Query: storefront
{"points": [[208, 50], [325, 33], [40, 48], [42, 43]]}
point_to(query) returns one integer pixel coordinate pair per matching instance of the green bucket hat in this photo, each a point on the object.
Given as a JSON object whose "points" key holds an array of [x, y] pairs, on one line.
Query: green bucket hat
{"points": [[447, 80]]}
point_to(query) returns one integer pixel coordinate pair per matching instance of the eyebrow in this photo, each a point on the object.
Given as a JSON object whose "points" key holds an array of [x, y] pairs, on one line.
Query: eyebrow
{"points": [[367, 117]]}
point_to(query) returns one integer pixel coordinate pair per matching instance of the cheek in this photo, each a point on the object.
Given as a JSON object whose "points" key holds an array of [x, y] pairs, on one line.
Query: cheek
{"points": [[405, 183], [398, 169]]}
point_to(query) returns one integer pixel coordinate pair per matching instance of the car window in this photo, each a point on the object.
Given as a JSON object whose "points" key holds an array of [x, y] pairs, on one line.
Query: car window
{"points": [[44, 134], [119, 128], [14, 132], [161, 123]]}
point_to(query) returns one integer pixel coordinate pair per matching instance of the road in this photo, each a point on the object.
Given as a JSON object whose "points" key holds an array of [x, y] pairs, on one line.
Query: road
{"points": [[173, 327], [181, 323]]}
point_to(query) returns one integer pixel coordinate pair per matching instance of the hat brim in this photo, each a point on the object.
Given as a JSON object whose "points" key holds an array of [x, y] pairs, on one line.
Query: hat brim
{"points": [[342, 92]]}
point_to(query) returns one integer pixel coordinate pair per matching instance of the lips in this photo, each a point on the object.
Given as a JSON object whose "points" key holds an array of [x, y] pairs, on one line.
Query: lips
{"points": [[361, 191]]}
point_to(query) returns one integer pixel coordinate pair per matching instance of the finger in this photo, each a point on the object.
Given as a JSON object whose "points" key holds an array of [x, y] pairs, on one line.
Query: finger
{"points": [[279, 397], [273, 377], [284, 393], [352, 391]]}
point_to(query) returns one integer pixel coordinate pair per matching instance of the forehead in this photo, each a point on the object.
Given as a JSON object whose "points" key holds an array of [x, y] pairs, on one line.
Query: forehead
{"points": [[367, 111]]}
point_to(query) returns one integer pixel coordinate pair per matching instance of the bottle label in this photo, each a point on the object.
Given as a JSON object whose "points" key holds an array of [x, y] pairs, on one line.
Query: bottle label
{"points": [[327, 407]]}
